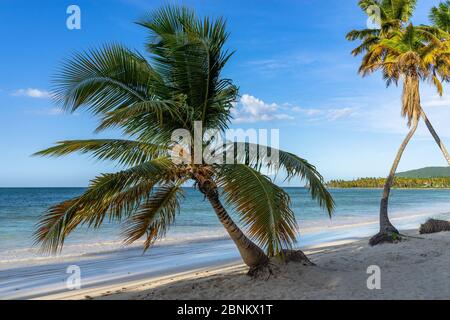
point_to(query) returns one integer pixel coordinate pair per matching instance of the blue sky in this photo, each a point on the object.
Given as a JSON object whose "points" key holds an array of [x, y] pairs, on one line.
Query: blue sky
{"points": [[292, 64]]}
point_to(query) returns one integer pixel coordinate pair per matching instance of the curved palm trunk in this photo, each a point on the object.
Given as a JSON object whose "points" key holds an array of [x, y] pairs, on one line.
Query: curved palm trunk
{"points": [[252, 255], [386, 227], [435, 136]]}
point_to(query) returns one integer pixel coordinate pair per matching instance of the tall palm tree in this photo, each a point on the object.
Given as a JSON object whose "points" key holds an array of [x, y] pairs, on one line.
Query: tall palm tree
{"points": [[148, 100], [401, 50], [394, 15], [440, 19]]}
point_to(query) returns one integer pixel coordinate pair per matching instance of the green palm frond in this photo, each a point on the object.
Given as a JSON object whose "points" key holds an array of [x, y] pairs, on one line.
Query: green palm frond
{"points": [[104, 79], [440, 16], [155, 216], [259, 156], [264, 208], [115, 195], [55, 224], [188, 52], [164, 112], [125, 152]]}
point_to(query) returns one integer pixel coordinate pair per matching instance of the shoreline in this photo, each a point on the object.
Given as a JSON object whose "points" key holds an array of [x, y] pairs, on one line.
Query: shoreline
{"points": [[122, 290], [115, 268], [307, 228], [411, 269]]}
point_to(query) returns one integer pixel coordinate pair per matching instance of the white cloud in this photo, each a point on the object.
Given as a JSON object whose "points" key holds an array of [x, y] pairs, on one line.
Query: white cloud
{"points": [[32, 93], [251, 109]]}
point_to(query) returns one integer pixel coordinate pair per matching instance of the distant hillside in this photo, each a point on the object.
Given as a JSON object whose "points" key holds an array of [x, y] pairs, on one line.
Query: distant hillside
{"points": [[429, 172]]}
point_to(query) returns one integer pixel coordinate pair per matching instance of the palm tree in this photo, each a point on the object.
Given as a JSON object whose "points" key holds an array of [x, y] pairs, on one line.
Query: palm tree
{"points": [[393, 16], [413, 53], [440, 19], [440, 16], [181, 85]]}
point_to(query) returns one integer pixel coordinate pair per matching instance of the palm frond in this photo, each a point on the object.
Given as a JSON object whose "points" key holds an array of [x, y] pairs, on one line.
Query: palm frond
{"points": [[104, 79], [258, 156], [115, 195], [126, 152], [155, 216], [264, 208]]}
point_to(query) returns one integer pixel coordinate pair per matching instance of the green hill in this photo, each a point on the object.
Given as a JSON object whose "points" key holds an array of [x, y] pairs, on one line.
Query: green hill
{"points": [[429, 172]]}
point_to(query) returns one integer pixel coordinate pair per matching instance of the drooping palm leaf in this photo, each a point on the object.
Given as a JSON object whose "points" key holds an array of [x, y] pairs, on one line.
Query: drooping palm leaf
{"points": [[126, 152], [259, 156], [115, 195], [264, 208], [155, 216]]}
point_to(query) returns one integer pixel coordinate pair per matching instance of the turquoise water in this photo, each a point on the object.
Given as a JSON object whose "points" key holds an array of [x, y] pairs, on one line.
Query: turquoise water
{"points": [[20, 210]]}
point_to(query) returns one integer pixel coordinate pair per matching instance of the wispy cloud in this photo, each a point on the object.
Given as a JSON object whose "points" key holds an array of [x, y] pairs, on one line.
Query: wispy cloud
{"points": [[436, 101], [32, 93], [278, 64], [381, 114], [331, 114], [55, 111]]}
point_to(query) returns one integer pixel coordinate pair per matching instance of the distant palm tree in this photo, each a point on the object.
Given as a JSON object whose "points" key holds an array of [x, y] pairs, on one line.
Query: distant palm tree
{"points": [[148, 101], [394, 15], [404, 52], [440, 16]]}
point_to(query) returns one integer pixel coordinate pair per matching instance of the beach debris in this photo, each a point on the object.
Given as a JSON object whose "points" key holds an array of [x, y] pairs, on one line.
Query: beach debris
{"points": [[434, 226]]}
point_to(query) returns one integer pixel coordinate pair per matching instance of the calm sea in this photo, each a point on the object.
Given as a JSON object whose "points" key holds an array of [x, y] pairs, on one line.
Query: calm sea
{"points": [[20, 210]]}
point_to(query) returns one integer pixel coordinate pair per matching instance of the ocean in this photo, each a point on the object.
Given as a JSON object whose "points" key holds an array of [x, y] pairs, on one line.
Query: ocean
{"points": [[356, 210], [196, 242]]}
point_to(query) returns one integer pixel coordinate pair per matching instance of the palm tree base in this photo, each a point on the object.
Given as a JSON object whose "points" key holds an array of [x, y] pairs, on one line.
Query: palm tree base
{"points": [[389, 235], [262, 271], [297, 256], [269, 267]]}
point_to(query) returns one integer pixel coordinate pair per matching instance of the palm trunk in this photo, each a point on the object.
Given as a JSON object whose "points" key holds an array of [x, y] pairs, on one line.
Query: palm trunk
{"points": [[252, 255], [435, 136], [386, 227]]}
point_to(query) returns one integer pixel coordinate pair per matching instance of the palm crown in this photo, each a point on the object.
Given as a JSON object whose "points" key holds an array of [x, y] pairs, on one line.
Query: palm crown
{"points": [[148, 100], [390, 14], [440, 16], [404, 51], [411, 54]]}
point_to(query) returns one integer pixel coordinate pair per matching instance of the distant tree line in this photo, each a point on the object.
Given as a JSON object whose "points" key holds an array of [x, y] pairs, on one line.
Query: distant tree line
{"points": [[443, 182]]}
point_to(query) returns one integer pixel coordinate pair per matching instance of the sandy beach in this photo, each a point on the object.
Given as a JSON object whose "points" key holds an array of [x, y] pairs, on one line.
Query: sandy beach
{"points": [[114, 268], [413, 269]]}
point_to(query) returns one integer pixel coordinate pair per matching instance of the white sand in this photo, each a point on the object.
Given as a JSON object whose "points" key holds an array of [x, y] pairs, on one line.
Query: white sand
{"points": [[413, 269]]}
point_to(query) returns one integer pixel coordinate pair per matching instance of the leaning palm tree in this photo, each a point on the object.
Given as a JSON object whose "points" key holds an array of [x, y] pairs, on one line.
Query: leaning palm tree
{"points": [[410, 54], [180, 86], [380, 44], [393, 16], [440, 19]]}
